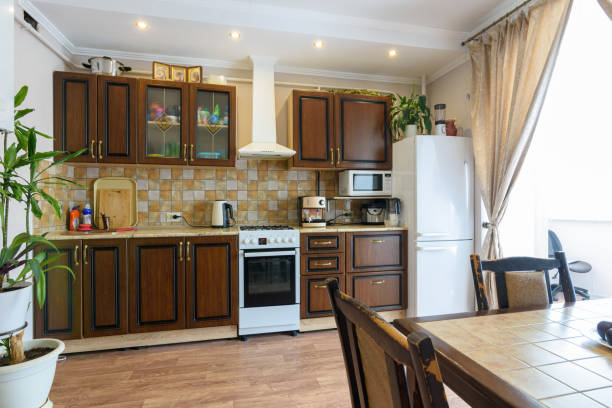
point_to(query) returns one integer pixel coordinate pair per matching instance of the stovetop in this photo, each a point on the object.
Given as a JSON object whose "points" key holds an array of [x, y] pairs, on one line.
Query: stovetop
{"points": [[265, 227]]}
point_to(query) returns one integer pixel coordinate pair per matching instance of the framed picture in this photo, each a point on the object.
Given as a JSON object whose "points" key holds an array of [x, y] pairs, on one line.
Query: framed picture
{"points": [[161, 71], [178, 73], [194, 74]]}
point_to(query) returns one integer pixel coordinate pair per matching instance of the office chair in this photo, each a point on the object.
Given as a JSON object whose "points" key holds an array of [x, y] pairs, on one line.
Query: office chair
{"points": [[554, 244]]}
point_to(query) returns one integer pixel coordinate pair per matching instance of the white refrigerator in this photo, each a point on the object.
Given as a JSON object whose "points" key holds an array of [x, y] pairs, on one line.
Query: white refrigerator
{"points": [[433, 176]]}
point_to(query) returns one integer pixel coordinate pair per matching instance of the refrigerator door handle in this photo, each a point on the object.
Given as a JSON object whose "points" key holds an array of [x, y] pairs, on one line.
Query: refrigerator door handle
{"points": [[433, 234], [431, 249], [466, 169]]}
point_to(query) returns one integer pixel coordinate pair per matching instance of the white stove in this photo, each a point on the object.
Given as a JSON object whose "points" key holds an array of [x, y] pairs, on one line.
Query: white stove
{"points": [[269, 280]]}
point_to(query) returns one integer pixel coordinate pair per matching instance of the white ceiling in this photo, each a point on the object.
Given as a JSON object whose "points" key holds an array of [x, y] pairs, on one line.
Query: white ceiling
{"points": [[357, 33]]}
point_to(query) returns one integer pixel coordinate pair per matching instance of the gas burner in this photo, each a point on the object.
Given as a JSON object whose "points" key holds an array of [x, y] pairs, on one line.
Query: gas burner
{"points": [[264, 227]]}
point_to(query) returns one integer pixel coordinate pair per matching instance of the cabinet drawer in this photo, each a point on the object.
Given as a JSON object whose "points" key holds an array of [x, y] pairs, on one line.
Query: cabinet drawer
{"points": [[376, 251], [324, 242], [378, 290], [314, 297], [331, 263]]}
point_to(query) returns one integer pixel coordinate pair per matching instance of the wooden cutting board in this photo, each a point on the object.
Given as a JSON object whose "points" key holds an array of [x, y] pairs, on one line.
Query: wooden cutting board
{"points": [[116, 204]]}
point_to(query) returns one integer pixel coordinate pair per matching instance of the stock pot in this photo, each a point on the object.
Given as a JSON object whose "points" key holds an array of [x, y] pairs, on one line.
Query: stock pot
{"points": [[106, 66]]}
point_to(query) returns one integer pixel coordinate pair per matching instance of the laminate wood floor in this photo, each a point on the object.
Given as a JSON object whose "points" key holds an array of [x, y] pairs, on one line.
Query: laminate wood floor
{"points": [[268, 371]]}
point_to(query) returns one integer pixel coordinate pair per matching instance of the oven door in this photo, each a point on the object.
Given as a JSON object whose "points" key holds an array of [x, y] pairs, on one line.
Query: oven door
{"points": [[268, 278]]}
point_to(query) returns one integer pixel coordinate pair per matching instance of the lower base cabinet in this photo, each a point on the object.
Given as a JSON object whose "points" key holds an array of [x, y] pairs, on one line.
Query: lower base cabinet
{"points": [[314, 298], [379, 290]]}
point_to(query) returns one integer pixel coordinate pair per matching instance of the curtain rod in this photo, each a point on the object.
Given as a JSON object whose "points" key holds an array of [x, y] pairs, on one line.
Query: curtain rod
{"points": [[499, 20]]}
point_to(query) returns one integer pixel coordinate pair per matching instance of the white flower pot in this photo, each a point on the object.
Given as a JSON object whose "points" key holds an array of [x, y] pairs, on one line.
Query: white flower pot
{"points": [[27, 384], [411, 130], [14, 305]]}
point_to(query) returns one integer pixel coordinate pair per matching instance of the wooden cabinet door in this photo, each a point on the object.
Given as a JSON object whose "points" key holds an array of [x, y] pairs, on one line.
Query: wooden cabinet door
{"points": [[212, 144], [212, 281], [105, 310], [156, 284], [60, 317], [74, 114], [314, 297], [117, 98], [163, 134], [363, 139], [310, 129], [376, 251], [379, 290]]}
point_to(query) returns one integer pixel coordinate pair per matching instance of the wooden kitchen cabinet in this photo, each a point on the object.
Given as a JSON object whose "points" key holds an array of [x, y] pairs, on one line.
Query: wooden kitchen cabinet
{"points": [[322, 263], [105, 297], [376, 251], [324, 242], [311, 130], [60, 316], [363, 138], [379, 290], [74, 114], [314, 297], [212, 144], [212, 281], [156, 284], [163, 133], [117, 123]]}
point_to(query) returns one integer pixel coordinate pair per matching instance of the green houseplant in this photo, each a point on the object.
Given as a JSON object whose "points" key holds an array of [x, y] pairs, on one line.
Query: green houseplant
{"points": [[23, 181], [409, 114]]}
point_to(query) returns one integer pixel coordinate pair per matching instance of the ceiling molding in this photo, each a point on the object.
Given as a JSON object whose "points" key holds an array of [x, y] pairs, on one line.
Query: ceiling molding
{"points": [[49, 27], [276, 18], [457, 62], [346, 75]]}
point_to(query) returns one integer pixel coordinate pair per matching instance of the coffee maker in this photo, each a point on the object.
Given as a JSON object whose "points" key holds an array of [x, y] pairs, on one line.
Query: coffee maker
{"points": [[311, 211]]}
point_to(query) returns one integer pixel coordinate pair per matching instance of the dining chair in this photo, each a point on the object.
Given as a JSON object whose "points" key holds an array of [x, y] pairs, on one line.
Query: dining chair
{"points": [[554, 244], [521, 281], [384, 367]]}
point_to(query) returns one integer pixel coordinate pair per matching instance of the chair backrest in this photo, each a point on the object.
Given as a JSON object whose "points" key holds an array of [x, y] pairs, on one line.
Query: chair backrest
{"points": [[521, 281], [554, 244], [384, 367]]}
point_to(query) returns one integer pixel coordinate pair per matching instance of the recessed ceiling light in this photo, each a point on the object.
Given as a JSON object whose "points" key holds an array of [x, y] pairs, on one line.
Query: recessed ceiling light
{"points": [[142, 25], [392, 53], [318, 44], [234, 35]]}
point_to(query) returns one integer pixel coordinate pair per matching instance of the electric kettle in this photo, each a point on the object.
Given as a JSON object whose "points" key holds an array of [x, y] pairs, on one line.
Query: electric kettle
{"points": [[222, 213]]}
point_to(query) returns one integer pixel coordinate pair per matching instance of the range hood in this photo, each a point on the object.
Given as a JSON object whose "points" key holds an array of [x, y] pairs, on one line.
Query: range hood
{"points": [[263, 144]]}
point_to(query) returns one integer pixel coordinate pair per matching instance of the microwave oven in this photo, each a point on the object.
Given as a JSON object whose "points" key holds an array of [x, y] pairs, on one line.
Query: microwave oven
{"points": [[363, 183]]}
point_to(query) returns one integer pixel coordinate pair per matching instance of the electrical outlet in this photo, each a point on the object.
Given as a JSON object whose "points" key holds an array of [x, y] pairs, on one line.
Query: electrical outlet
{"points": [[170, 216]]}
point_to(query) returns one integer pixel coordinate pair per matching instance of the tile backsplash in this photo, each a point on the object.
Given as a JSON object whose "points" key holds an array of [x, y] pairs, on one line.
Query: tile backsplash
{"points": [[261, 192]]}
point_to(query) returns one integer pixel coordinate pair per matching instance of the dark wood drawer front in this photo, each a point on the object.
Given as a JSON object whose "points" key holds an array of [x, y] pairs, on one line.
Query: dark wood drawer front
{"points": [[379, 291], [322, 242], [332, 263], [377, 251], [315, 299]]}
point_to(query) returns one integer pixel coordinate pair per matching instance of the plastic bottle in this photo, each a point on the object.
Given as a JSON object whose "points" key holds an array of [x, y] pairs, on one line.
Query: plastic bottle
{"points": [[86, 215], [74, 219]]}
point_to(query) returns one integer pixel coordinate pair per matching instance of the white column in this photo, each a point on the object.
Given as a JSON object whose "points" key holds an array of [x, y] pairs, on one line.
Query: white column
{"points": [[7, 67]]}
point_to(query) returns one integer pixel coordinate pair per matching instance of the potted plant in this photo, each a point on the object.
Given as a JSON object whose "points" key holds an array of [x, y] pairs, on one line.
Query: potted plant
{"points": [[27, 367], [409, 114]]}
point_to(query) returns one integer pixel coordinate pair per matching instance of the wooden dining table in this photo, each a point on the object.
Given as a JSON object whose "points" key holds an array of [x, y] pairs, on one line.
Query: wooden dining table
{"points": [[547, 356]]}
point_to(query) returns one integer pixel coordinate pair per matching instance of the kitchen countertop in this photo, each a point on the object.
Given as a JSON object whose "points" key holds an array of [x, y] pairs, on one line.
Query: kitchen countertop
{"points": [[185, 231]]}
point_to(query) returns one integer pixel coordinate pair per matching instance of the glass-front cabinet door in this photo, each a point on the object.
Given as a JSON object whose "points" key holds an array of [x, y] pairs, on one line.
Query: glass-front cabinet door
{"points": [[212, 140], [163, 137]]}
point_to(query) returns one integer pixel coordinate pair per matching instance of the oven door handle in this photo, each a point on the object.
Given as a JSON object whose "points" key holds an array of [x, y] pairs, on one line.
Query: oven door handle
{"points": [[268, 254]]}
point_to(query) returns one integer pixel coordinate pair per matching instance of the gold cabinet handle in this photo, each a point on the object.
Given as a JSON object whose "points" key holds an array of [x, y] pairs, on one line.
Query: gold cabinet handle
{"points": [[322, 243], [188, 250], [378, 282], [76, 255], [377, 241], [319, 286], [185, 152], [92, 149], [323, 264], [84, 254], [331, 153], [338, 156], [181, 251], [191, 152], [100, 150]]}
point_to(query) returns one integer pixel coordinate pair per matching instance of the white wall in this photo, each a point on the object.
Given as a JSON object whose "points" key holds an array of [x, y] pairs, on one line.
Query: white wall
{"points": [[6, 67], [453, 89]]}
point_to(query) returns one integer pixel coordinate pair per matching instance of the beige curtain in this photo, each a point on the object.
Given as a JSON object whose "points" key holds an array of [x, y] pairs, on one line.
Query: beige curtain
{"points": [[511, 68], [607, 6]]}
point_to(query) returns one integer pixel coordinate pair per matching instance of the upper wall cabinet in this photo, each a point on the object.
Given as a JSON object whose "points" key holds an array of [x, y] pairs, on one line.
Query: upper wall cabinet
{"points": [[212, 125], [342, 131], [74, 114]]}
